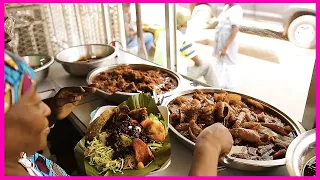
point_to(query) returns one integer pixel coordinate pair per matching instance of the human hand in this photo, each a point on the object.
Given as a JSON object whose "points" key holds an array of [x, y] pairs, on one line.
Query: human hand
{"points": [[223, 52], [212, 142], [217, 137], [66, 99]]}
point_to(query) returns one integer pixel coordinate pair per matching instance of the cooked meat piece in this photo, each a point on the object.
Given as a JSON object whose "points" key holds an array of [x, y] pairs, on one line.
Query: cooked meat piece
{"points": [[232, 119], [210, 99], [254, 103], [197, 91], [262, 117], [199, 96], [142, 152], [267, 155], [283, 141], [263, 149], [252, 151], [196, 103], [185, 133], [251, 117], [251, 125], [240, 155], [280, 154], [208, 110], [174, 118], [288, 129], [179, 100], [207, 119], [145, 87], [220, 96], [192, 136], [264, 136], [182, 118], [174, 109], [234, 98], [121, 83], [95, 127], [154, 130], [220, 110], [184, 107], [239, 120], [273, 120], [270, 135], [247, 135], [130, 88], [182, 127], [192, 114], [140, 114], [276, 128], [196, 130], [125, 79]]}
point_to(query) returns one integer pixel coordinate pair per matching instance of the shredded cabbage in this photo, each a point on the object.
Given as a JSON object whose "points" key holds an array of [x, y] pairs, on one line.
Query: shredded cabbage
{"points": [[100, 156], [154, 146]]}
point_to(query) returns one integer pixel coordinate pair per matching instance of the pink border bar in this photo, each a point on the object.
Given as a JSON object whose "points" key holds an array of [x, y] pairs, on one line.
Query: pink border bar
{"points": [[155, 1], [135, 1]]}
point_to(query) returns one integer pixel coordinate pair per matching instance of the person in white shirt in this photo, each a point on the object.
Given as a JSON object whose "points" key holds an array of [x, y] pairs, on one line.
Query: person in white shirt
{"points": [[187, 52], [226, 45]]}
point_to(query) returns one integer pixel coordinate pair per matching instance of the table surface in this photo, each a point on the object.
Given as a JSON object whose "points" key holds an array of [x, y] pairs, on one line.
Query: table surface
{"points": [[181, 156]]}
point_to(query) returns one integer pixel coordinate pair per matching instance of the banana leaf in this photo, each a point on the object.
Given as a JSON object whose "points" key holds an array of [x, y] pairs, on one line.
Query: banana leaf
{"points": [[162, 155]]}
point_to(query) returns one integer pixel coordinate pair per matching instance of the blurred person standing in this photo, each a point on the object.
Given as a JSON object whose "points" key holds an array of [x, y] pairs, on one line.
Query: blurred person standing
{"points": [[187, 52], [131, 33], [226, 46]]}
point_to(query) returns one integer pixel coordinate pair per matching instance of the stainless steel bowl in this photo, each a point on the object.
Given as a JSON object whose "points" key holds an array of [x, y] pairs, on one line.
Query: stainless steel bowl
{"points": [[300, 151], [69, 58], [119, 97], [40, 64], [237, 163]]}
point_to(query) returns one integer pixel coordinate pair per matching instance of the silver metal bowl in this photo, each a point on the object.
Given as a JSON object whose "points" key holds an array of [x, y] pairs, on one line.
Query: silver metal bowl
{"points": [[101, 53], [300, 152], [40, 64], [119, 97], [237, 163]]}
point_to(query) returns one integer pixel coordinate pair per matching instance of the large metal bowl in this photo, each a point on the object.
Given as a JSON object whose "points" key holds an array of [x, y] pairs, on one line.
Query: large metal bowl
{"points": [[119, 97], [301, 150], [40, 64], [69, 58], [237, 163]]}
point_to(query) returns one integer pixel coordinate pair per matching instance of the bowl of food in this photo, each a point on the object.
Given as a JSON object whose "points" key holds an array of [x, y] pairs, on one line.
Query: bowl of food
{"points": [[130, 139], [80, 60], [261, 132], [40, 64], [301, 155], [118, 82]]}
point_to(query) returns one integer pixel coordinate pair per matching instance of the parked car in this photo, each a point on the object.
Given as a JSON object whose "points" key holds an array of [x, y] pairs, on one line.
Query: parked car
{"points": [[297, 19]]}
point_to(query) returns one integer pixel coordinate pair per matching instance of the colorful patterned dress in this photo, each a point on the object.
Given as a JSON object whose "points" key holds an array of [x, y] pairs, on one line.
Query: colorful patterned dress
{"points": [[18, 79]]}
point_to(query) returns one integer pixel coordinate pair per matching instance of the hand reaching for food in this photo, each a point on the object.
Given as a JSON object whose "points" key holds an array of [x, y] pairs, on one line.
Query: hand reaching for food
{"points": [[66, 99], [218, 136], [212, 142]]}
